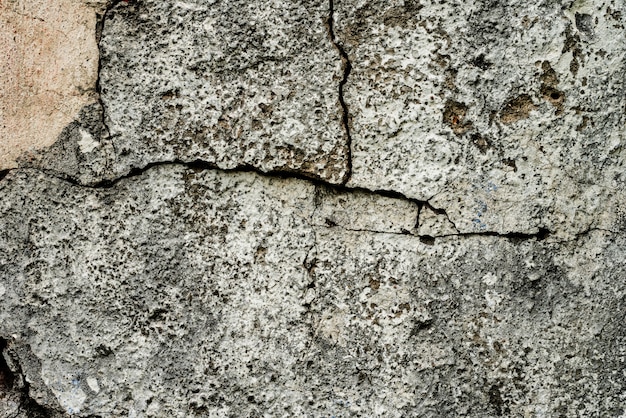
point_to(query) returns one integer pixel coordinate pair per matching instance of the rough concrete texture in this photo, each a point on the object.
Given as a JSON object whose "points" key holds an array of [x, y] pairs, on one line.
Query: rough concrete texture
{"points": [[186, 292], [233, 83], [509, 115], [325, 209]]}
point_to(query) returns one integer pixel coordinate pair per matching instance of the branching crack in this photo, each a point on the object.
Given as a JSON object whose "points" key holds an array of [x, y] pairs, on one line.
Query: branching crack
{"points": [[440, 211], [294, 174], [346, 66], [199, 165]]}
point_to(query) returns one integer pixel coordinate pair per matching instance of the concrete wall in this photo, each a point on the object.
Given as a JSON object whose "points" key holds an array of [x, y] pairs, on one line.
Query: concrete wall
{"points": [[310, 208]]}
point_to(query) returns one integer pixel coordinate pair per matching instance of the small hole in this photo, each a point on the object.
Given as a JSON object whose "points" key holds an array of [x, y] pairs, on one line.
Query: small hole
{"points": [[555, 96], [428, 240]]}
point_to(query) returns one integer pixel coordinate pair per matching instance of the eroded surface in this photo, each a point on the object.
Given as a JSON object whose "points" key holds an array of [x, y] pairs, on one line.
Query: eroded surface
{"points": [[48, 71], [206, 293], [470, 266], [231, 83], [508, 115]]}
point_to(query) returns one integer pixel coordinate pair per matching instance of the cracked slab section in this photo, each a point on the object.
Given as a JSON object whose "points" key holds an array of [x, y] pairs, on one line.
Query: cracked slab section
{"points": [[187, 292], [48, 71], [358, 210], [433, 223], [232, 83], [509, 116]]}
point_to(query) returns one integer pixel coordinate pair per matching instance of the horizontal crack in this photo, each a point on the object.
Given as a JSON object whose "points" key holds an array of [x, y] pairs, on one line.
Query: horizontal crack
{"points": [[542, 234], [373, 231]]}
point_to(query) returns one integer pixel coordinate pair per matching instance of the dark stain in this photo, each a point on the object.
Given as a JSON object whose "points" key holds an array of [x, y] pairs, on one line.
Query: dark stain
{"points": [[549, 76], [427, 239], [330, 223], [511, 163], [516, 109], [103, 350], [495, 399], [451, 79], [404, 15], [421, 325], [554, 96], [259, 255], [572, 43], [481, 62], [170, 94], [583, 124], [584, 23], [480, 142], [454, 116], [6, 375], [549, 92]]}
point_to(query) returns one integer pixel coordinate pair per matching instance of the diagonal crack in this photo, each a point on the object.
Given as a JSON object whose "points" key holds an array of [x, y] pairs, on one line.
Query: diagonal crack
{"points": [[440, 211], [346, 66]]}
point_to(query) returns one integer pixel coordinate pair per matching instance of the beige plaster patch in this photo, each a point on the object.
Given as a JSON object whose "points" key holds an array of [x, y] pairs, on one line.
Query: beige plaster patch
{"points": [[48, 70]]}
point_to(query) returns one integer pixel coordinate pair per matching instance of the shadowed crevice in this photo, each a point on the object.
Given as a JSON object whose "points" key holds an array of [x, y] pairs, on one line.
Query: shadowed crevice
{"points": [[200, 165], [346, 66], [14, 384]]}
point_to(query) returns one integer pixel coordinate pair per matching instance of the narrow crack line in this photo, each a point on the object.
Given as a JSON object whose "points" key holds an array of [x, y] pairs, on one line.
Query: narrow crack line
{"points": [[420, 207], [200, 165], [100, 21], [373, 231], [308, 263], [346, 66], [539, 236]]}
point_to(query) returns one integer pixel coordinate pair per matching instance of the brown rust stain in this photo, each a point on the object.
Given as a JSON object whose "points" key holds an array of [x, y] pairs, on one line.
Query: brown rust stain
{"points": [[516, 109], [48, 70], [548, 90], [454, 116]]}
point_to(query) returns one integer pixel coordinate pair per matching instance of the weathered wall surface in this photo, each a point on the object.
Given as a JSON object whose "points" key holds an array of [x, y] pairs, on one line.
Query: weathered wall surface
{"points": [[48, 71], [313, 208]]}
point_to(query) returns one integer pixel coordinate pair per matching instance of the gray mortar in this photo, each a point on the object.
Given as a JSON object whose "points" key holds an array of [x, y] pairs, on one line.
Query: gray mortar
{"points": [[186, 292]]}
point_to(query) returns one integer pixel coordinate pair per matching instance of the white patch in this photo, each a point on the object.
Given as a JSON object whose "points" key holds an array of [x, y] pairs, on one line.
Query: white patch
{"points": [[87, 143], [490, 279], [72, 400], [189, 6], [66, 388], [493, 299], [3, 290], [92, 382]]}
